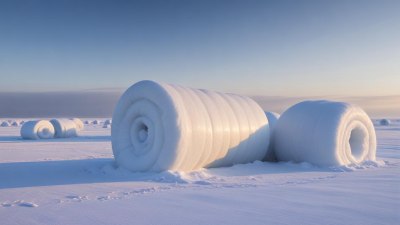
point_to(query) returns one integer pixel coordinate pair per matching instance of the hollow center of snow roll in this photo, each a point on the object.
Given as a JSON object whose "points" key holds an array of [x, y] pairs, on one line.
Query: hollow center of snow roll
{"points": [[140, 134], [45, 131], [143, 132], [356, 141]]}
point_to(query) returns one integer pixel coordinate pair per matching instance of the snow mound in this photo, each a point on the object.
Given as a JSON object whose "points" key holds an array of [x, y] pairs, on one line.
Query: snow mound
{"points": [[39, 129], [325, 133], [5, 124], [64, 128], [385, 122], [158, 127], [78, 122]]}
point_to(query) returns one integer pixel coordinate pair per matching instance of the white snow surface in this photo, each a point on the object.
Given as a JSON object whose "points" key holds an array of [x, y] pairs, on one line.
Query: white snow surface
{"points": [[37, 129], [75, 181], [108, 122], [324, 133], [159, 127]]}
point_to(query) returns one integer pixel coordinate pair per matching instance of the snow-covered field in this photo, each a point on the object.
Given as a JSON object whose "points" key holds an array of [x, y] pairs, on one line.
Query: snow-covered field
{"points": [[74, 181]]}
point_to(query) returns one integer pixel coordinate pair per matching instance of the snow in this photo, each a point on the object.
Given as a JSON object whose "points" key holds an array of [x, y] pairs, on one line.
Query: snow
{"points": [[273, 118], [75, 181], [324, 133], [384, 122], [37, 129], [5, 124], [79, 124], [107, 122], [158, 127], [65, 128]]}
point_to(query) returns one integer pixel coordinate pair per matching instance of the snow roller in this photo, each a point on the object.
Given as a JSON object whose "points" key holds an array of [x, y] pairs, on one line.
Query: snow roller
{"points": [[158, 126]]}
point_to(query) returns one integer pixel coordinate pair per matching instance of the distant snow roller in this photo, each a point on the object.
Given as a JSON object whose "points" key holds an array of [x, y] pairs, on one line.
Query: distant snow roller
{"points": [[39, 129], [324, 133], [65, 128], [158, 126]]}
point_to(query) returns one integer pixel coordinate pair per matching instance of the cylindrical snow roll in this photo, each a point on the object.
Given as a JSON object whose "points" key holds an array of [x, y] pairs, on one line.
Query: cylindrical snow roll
{"points": [[157, 126], [79, 123], [40, 129], [385, 122], [5, 124], [64, 128], [325, 133], [107, 122]]}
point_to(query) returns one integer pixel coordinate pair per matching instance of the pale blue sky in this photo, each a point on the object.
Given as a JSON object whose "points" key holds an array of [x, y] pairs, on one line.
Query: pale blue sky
{"points": [[285, 48]]}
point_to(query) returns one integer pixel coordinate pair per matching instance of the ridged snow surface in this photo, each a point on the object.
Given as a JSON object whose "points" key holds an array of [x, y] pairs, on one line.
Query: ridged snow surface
{"points": [[157, 126], [324, 133], [79, 124], [64, 128]]}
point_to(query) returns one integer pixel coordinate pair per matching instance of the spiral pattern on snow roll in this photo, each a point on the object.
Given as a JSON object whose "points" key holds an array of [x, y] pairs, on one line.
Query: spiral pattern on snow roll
{"points": [[40, 129], [325, 133], [159, 126]]}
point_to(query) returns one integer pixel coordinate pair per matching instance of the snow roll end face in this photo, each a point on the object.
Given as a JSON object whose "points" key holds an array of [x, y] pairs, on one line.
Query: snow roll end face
{"points": [[357, 139], [39, 129], [325, 133], [142, 117]]}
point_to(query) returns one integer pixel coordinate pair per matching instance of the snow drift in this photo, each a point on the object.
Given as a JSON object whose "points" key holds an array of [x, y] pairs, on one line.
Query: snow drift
{"points": [[39, 129], [157, 126], [324, 133], [64, 128]]}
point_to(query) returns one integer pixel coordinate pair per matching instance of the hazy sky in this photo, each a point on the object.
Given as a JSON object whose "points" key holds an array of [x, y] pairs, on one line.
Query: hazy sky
{"points": [[250, 47], [337, 49]]}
